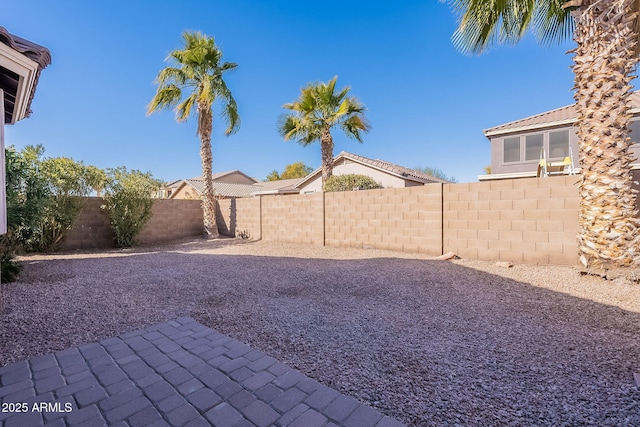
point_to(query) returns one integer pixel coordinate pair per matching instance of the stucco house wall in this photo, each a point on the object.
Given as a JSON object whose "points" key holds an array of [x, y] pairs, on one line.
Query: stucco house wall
{"points": [[186, 192], [346, 167], [542, 130]]}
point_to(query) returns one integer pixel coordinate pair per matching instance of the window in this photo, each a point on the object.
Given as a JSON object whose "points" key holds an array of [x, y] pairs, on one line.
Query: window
{"points": [[634, 131], [512, 149], [533, 146], [558, 144]]}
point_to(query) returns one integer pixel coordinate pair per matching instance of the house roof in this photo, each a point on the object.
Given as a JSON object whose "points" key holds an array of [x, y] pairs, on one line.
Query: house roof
{"points": [[21, 62], [277, 187], [219, 175], [559, 116], [391, 168], [220, 189]]}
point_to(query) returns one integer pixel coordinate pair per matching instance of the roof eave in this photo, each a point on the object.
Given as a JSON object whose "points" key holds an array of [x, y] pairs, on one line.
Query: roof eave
{"points": [[497, 132], [27, 60]]}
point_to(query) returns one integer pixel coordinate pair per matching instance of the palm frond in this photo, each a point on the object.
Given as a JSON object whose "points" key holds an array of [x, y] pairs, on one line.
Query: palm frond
{"points": [[183, 110], [198, 72], [483, 23], [165, 97], [320, 107], [552, 22], [353, 127]]}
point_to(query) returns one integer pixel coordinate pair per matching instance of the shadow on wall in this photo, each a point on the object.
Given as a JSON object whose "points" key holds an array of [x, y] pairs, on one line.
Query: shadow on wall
{"points": [[227, 222]]}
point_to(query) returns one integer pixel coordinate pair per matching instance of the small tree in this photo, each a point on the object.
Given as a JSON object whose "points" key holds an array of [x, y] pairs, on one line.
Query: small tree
{"points": [[436, 173], [68, 181], [350, 182], [128, 199], [292, 170], [27, 198]]}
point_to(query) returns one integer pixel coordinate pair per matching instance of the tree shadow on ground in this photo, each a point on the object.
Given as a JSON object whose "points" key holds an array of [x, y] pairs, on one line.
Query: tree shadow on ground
{"points": [[426, 342]]}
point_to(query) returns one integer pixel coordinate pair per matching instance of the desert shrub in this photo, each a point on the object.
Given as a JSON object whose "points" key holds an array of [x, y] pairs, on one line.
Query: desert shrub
{"points": [[43, 201], [350, 182], [128, 200], [10, 268], [68, 182], [27, 198]]}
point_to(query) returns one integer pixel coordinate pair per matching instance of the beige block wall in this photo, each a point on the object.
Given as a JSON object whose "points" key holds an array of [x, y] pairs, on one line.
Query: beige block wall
{"points": [[240, 216], [531, 221], [91, 229], [293, 218], [400, 219], [170, 220]]}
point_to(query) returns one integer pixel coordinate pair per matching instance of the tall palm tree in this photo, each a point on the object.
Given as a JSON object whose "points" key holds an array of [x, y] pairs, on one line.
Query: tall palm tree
{"points": [[606, 35], [197, 70], [318, 109]]}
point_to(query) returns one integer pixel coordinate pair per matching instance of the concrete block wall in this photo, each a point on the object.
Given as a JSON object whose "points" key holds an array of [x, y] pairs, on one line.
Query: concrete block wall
{"points": [[293, 218], [91, 229], [171, 220], [400, 219], [521, 220], [531, 221], [236, 216]]}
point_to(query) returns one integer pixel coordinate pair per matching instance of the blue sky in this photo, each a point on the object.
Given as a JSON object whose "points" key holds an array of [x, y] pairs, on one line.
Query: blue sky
{"points": [[427, 103]]}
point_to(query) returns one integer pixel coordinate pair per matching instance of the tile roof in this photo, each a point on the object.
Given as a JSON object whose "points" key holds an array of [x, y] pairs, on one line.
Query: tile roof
{"points": [[219, 175], [39, 54], [559, 116], [223, 189], [401, 171], [279, 186], [34, 52]]}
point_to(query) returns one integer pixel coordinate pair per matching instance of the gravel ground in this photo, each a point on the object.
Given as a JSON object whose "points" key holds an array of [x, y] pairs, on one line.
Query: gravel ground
{"points": [[429, 342]]}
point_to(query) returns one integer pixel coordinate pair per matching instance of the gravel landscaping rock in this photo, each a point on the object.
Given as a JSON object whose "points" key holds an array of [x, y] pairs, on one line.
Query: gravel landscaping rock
{"points": [[425, 341]]}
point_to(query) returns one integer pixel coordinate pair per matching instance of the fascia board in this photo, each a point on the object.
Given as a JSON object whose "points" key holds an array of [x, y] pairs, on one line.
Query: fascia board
{"points": [[27, 70]]}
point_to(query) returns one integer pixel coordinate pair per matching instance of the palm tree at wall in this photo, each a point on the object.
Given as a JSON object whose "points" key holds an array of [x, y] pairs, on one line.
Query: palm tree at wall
{"points": [[197, 75], [319, 109], [606, 35]]}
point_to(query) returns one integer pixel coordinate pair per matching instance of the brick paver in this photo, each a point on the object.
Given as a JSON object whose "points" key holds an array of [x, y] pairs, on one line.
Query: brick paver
{"points": [[173, 374]]}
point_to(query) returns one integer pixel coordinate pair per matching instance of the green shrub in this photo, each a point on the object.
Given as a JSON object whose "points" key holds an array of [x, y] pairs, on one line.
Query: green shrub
{"points": [[68, 181], [350, 182], [128, 200], [10, 268]]}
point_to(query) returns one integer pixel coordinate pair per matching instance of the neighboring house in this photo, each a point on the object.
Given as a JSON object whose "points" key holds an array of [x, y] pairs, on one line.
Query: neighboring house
{"points": [[281, 186], [21, 62], [387, 175], [228, 184], [193, 188], [516, 147]]}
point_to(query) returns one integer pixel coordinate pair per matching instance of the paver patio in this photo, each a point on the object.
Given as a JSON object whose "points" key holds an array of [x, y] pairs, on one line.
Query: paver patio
{"points": [[179, 373]]}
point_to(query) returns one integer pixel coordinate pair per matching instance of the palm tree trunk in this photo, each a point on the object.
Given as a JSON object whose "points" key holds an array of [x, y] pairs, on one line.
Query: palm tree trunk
{"points": [[326, 147], [604, 59], [205, 127]]}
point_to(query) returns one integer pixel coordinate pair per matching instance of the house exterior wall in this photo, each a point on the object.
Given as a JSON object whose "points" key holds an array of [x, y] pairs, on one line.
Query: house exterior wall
{"points": [[346, 167], [498, 166], [236, 178], [186, 192]]}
